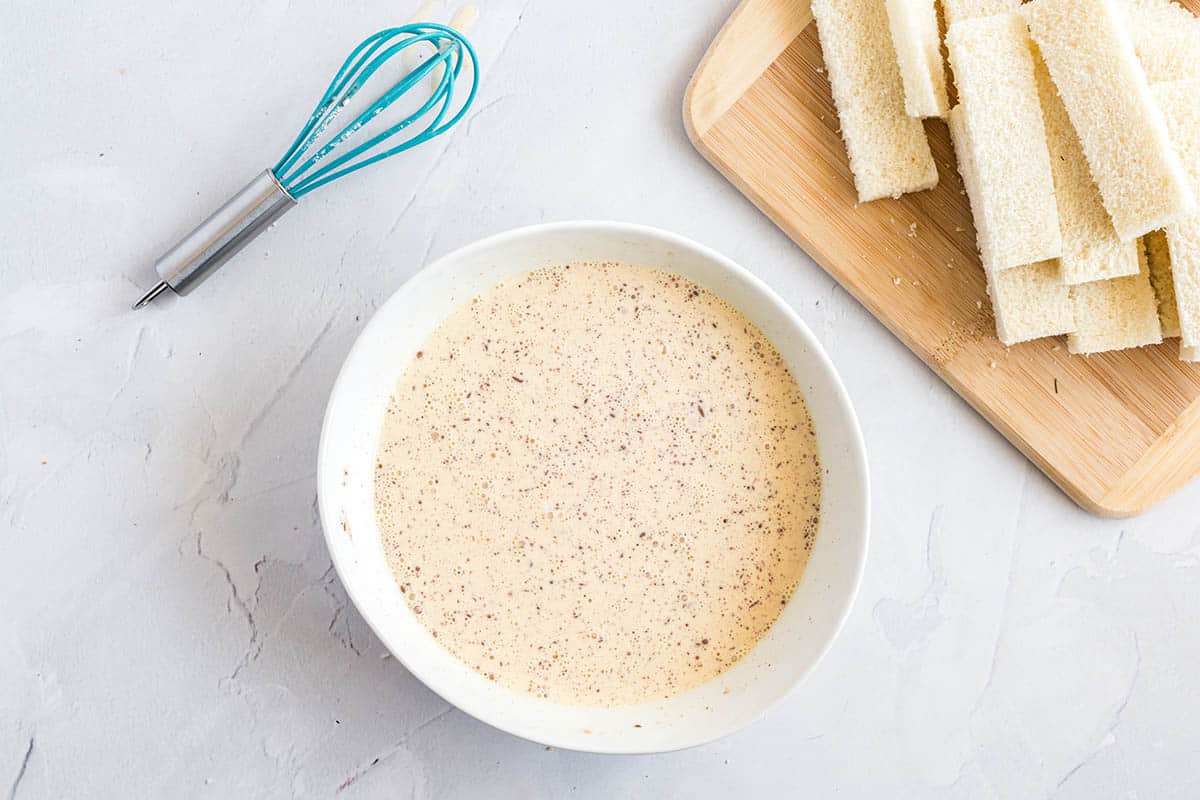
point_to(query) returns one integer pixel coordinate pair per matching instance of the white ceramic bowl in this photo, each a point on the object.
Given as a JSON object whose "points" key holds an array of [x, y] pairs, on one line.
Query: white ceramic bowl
{"points": [[346, 469]]}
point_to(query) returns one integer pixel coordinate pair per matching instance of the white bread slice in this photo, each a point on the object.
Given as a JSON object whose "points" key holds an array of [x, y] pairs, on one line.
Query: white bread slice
{"points": [[1180, 103], [960, 139], [918, 45], [888, 152], [956, 11], [1159, 259], [1016, 215], [1091, 250], [1166, 37], [1115, 314], [1028, 302], [1183, 238], [1092, 61]]}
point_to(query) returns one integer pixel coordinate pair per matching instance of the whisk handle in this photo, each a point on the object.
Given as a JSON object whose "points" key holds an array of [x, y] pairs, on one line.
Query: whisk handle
{"points": [[222, 235]]}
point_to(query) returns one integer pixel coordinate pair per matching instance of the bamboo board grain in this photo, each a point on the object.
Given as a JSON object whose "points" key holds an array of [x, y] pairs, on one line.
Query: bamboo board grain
{"points": [[1117, 431]]}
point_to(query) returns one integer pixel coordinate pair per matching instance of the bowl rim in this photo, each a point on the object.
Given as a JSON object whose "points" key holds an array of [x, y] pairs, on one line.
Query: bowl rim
{"points": [[840, 609]]}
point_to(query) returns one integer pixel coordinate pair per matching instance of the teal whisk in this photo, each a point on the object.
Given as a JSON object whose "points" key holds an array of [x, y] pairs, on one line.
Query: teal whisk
{"points": [[305, 166]]}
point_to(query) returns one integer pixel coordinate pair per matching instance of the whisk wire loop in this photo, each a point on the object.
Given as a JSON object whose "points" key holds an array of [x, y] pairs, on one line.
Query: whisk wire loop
{"points": [[389, 97], [344, 86], [299, 175]]}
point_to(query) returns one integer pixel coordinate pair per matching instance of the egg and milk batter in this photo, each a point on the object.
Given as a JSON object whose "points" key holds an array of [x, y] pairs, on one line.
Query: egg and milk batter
{"points": [[597, 483]]}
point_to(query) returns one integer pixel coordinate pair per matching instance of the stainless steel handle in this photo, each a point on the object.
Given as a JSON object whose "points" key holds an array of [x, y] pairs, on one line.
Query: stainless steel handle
{"points": [[221, 236]]}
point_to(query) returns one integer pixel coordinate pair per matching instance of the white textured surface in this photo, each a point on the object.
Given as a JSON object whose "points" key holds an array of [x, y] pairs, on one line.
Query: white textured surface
{"points": [[169, 624]]}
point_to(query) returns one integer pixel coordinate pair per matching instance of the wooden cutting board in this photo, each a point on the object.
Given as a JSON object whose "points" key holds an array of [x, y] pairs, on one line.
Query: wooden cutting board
{"points": [[1117, 431]]}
